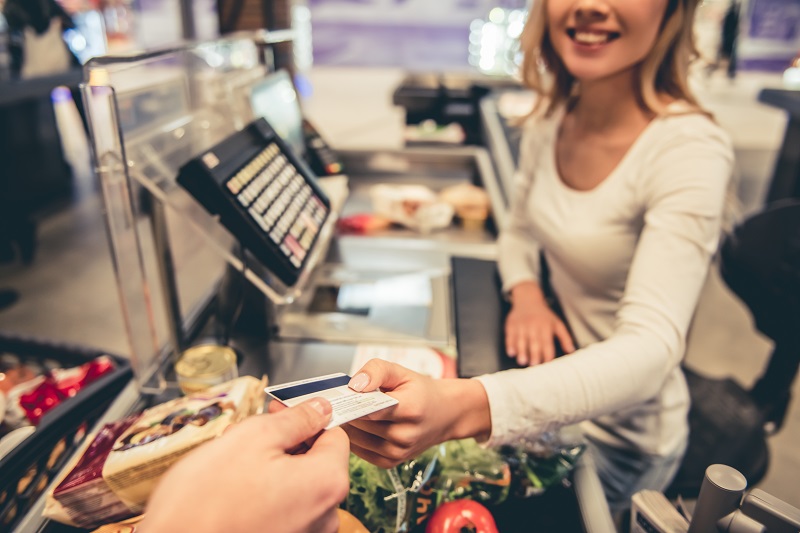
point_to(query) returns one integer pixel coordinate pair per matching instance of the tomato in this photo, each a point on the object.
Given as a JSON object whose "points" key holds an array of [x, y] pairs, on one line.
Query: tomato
{"points": [[461, 516]]}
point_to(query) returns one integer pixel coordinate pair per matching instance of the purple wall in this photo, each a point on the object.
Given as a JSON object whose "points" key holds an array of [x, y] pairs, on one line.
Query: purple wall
{"points": [[414, 34]]}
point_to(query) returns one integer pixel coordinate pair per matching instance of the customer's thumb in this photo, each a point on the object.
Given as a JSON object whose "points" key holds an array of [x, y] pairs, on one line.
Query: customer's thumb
{"points": [[300, 423]]}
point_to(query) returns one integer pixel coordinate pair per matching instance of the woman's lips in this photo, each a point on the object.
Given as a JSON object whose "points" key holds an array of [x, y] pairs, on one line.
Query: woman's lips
{"points": [[591, 38]]}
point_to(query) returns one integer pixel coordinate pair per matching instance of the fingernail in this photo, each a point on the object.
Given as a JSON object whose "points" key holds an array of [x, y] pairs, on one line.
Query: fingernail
{"points": [[320, 406], [359, 382]]}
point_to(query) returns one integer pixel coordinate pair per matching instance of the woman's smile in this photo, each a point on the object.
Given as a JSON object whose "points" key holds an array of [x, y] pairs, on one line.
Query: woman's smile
{"points": [[591, 38], [596, 39]]}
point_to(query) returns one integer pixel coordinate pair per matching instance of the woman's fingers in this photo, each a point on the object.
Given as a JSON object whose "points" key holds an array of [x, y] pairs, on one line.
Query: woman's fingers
{"points": [[379, 374], [379, 428], [511, 331], [377, 445], [532, 342], [521, 342], [522, 348], [529, 345], [372, 457], [564, 337], [548, 351]]}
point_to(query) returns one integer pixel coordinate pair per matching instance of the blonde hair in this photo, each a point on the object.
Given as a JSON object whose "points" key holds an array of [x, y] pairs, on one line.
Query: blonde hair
{"points": [[665, 70]]}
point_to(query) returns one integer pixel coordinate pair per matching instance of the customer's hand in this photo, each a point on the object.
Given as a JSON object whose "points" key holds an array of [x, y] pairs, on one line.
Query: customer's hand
{"points": [[248, 481], [428, 412], [531, 327]]}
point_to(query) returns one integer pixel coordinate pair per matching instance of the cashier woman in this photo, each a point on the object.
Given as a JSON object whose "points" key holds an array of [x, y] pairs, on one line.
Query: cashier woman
{"points": [[622, 183]]}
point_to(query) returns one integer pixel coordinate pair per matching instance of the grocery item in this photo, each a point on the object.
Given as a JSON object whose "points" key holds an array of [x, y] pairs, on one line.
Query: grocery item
{"points": [[407, 497], [114, 473], [83, 497], [413, 206], [461, 515], [126, 526], [471, 204], [544, 462], [204, 366], [363, 223], [404, 497], [14, 376], [31, 395]]}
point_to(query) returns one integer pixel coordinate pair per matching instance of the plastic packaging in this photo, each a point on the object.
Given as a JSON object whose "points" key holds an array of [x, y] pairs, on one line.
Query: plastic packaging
{"points": [[543, 463], [113, 476], [412, 206], [471, 204]]}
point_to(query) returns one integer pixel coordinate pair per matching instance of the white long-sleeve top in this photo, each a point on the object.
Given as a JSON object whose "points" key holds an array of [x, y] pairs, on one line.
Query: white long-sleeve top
{"points": [[628, 260]]}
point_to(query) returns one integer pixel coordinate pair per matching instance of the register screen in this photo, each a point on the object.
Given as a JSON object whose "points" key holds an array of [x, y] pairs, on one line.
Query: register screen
{"points": [[275, 99]]}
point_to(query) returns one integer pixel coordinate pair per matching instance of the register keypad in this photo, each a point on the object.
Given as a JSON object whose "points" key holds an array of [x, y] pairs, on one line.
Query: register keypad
{"points": [[281, 202], [264, 194]]}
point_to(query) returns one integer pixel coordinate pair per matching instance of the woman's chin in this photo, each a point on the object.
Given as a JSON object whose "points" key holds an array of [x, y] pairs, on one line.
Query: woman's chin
{"points": [[595, 73]]}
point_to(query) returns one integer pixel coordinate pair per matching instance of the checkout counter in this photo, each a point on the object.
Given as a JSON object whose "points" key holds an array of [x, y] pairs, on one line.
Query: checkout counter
{"points": [[168, 248]]}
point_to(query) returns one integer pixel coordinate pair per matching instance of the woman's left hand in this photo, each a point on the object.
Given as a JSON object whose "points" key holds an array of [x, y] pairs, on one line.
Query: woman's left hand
{"points": [[428, 412]]}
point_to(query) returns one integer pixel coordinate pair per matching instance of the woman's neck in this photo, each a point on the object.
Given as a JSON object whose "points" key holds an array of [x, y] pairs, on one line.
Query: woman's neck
{"points": [[609, 103]]}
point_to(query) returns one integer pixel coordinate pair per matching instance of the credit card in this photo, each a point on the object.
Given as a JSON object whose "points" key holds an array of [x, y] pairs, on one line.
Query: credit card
{"points": [[347, 404]]}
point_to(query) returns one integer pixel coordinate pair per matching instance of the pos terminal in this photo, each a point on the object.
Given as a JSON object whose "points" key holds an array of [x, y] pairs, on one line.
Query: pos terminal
{"points": [[263, 194]]}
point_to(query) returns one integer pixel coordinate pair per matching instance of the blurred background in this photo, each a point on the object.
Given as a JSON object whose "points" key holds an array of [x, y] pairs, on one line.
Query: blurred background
{"points": [[348, 57]]}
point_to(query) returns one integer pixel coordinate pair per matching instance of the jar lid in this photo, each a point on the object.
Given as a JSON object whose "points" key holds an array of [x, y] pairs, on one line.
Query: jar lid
{"points": [[205, 360]]}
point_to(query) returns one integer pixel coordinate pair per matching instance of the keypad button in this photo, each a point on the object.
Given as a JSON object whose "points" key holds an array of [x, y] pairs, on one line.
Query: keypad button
{"points": [[307, 239]]}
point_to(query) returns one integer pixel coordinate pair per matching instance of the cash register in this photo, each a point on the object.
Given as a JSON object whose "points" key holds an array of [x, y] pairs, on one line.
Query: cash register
{"points": [[264, 194]]}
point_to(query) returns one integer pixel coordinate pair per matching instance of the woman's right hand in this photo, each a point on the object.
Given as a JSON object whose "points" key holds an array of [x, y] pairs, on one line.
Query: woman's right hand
{"points": [[532, 327], [428, 412]]}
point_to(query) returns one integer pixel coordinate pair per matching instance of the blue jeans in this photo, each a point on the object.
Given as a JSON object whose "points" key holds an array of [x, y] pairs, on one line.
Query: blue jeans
{"points": [[623, 473]]}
